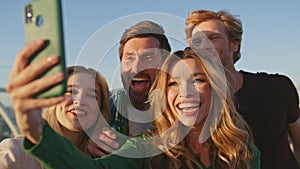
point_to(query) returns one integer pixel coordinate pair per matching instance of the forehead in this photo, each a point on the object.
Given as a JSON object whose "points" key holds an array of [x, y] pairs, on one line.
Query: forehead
{"points": [[209, 27], [82, 80], [185, 68], [136, 44]]}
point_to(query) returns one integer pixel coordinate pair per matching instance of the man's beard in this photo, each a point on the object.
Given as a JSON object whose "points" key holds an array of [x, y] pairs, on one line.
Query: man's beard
{"points": [[139, 102]]}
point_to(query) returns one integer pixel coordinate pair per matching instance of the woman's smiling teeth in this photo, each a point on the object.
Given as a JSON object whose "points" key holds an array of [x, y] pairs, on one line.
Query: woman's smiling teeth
{"points": [[78, 112], [188, 107]]}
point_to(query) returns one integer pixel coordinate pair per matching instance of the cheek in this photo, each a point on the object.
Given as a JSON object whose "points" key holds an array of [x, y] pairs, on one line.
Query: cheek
{"points": [[124, 78], [171, 96], [220, 52], [59, 110], [218, 46], [124, 69], [60, 116], [157, 63], [152, 73], [205, 91], [94, 105]]}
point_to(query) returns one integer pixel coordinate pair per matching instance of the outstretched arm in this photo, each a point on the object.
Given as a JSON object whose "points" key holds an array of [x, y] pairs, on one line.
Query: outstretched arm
{"points": [[23, 85], [42, 142]]}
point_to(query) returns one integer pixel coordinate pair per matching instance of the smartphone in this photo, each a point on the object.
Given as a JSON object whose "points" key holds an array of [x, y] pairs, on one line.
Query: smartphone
{"points": [[43, 20]]}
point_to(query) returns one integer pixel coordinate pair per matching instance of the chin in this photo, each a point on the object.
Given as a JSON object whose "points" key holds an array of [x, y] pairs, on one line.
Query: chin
{"points": [[138, 99], [187, 121]]}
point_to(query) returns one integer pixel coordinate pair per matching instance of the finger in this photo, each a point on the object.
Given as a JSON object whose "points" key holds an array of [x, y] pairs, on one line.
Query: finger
{"points": [[25, 105], [94, 151], [24, 54], [107, 140], [35, 86], [103, 143], [32, 71], [101, 146], [109, 132]]}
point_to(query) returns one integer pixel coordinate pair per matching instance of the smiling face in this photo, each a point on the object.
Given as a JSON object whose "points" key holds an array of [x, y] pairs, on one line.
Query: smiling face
{"points": [[188, 92], [140, 61], [211, 34], [84, 110]]}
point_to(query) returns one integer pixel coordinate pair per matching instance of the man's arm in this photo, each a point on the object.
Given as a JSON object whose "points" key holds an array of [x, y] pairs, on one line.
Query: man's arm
{"points": [[102, 143]]}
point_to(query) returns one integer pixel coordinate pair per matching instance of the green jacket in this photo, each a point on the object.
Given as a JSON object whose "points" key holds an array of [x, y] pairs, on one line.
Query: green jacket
{"points": [[56, 152]]}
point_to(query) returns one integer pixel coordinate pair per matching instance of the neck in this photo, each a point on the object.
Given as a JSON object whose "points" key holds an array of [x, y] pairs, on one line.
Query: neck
{"points": [[193, 136], [201, 150], [235, 80], [72, 136]]}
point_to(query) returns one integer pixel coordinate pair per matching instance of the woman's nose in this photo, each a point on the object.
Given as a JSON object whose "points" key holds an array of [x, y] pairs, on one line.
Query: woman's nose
{"points": [[76, 102], [78, 99], [186, 90]]}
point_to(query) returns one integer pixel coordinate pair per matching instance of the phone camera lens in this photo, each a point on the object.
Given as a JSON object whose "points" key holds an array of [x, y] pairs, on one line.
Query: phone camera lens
{"points": [[39, 21], [28, 13]]}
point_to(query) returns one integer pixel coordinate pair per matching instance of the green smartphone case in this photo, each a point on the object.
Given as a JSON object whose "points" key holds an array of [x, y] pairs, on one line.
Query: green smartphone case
{"points": [[43, 20]]}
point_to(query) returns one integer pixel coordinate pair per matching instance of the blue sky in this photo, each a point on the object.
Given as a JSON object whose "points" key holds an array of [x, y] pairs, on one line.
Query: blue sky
{"points": [[270, 42]]}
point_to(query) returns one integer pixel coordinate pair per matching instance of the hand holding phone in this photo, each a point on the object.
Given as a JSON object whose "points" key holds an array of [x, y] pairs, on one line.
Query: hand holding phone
{"points": [[43, 20]]}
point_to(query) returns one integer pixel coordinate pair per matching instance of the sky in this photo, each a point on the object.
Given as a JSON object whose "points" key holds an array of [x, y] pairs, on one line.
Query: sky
{"points": [[92, 29]]}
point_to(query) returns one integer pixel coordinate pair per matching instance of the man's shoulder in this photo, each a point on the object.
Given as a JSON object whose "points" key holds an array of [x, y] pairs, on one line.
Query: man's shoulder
{"points": [[115, 91], [265, 77], [267, 81]]}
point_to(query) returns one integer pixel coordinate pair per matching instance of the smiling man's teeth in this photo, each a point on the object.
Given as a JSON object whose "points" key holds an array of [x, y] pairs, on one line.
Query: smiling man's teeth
{"points": [[138, 79]]}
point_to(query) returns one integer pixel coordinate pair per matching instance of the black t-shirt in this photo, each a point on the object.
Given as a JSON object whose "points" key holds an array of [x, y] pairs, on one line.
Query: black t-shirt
{"points": [[269, 102]]}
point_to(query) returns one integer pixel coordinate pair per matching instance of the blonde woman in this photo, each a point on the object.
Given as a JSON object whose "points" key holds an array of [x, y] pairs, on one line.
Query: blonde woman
{"points": [[72, 119], [197, 94]]}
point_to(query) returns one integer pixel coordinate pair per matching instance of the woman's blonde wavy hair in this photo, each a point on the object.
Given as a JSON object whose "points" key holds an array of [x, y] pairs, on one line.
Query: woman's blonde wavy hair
{"points": [[230, 137]]}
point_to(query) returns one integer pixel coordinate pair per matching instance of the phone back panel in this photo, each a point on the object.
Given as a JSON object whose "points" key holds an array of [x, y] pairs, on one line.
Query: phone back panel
{"points": [[43, 20]]}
